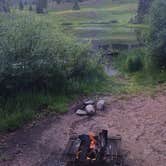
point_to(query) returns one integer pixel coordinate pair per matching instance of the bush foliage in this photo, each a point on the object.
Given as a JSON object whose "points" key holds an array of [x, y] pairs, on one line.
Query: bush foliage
{"points": [[35, 56], [134, 63], [157, 35], [37, 63], [131, 61]]}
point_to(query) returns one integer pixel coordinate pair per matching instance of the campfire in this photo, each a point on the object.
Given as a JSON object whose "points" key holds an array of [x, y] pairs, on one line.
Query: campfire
{"points": [[90, 149], [90, 152]]}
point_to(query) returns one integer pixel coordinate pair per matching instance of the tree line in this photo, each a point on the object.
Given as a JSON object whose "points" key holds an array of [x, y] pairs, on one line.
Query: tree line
{"points": [[40, 5], [155, 11], [153, 56], [143, 9]]}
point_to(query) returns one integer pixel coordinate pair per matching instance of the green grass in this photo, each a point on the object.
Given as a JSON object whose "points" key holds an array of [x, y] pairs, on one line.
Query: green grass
{"points": [[22, 108], [17, 111], [112, 18], [145, 78], [99, 13], [12, 121]]}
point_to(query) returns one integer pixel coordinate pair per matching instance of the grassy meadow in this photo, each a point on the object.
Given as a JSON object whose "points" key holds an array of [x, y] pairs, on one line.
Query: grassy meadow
{"points": [[100, 20]]}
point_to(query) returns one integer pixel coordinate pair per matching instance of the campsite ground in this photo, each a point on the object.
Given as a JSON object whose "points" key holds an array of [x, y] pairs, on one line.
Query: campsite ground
{"points": [[139, 119]]}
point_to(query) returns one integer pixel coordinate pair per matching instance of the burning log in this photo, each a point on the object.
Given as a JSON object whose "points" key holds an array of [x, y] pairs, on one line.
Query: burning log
{"points": [[84, 147], [94, 150]]}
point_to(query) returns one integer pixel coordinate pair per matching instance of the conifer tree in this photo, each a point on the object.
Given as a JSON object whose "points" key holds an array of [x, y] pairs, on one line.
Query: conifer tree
{"points": [[21, 5], [41, 5], [76, 5]]}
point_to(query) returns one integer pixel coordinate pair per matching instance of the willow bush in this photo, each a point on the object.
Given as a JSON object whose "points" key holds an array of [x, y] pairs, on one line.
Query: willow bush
{"points": [[37, 56], [39, 63]]}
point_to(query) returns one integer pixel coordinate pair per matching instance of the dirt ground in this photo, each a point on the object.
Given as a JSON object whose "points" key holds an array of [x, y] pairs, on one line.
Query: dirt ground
{"points": [[140, 120]]}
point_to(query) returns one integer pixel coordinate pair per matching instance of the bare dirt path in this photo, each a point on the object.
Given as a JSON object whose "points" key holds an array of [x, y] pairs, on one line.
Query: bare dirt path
{"points": [[140, 120]]}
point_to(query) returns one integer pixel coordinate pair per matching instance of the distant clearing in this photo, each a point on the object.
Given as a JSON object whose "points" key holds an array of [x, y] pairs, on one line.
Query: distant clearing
{"points": [[99, 20]]}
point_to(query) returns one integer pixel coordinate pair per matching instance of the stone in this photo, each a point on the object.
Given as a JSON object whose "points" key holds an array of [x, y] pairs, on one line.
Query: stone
{"points": [[81, 112], [89, 102], [90, 109], [100, 105]]}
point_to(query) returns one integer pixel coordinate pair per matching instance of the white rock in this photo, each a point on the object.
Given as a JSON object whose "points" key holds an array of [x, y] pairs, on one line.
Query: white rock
{"points": [[100, 105], [81, 112], [90, 109], [89, 102]]}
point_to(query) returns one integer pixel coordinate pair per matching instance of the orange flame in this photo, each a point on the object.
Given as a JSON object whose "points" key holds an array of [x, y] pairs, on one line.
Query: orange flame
{"points": [[92, 140]]}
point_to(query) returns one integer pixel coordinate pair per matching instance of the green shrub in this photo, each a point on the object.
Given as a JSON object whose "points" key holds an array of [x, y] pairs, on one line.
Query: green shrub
{"points": [[76, 5], [37, 56], [157, 35], [37, 63], [134, 64], [131, 61], [12, 121]]}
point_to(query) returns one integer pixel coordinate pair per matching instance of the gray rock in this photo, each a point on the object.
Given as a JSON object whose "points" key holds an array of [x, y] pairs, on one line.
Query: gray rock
{"points": [[90, 109], [89, 102], [81, 112], [100, 105]]}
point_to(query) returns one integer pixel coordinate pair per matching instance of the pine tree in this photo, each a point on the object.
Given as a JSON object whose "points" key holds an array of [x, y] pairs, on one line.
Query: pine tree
{"points": [[57, 1], [41, 5], [30, 7], [76, 5], [21, 5], [5, 6], [143, 9]]}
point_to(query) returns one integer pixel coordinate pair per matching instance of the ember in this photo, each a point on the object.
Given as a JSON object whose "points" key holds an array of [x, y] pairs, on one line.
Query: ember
{"points": [[90, 149]]}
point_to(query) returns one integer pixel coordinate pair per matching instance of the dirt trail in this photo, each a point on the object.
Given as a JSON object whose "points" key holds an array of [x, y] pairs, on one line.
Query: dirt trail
{"points": [[140, 120]]}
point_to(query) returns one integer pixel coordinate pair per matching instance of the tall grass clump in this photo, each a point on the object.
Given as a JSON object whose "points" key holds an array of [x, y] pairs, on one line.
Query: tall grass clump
{"points": [[139, 67], [131, 61], [36, 57], [134, 64]]}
